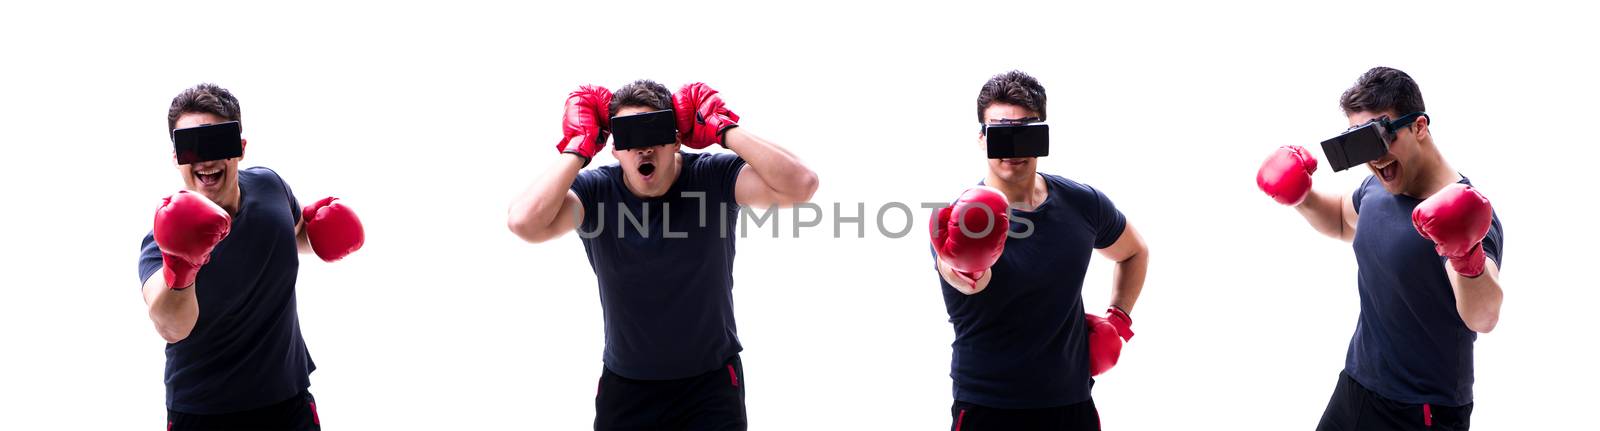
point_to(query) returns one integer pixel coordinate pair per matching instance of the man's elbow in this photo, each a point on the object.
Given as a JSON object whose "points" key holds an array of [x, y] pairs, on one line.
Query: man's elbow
{"points": [[806, 189], [1140, 255], [812, 182], [527, 230], [173, 333], [1484, 323], [174, 338]]}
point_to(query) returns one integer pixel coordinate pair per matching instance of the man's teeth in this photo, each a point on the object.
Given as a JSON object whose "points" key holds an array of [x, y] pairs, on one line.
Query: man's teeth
{"points": [[1380, 167], [210, 172]]}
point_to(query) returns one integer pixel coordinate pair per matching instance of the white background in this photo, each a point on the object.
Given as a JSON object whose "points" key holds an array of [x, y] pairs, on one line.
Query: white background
{"points": [[428, 119]]}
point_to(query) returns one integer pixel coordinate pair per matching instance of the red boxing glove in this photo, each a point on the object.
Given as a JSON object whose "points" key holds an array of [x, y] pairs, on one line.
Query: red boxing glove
{"points": [[588, 115], [1456, 219], [970, 235], [1106, 335], [187, 227], [702, 118], [1286, 175], [333, 228]]}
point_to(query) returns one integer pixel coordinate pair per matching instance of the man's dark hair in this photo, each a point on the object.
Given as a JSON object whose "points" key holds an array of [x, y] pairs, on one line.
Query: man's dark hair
{"points": [[205, 98], [1383, 89], [1014, 88], [643, 92]]}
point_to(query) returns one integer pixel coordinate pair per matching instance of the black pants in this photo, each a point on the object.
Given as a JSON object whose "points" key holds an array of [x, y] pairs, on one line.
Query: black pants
{"points": [[710, 401], [973, 417], [298, 413], [1354, 408]]}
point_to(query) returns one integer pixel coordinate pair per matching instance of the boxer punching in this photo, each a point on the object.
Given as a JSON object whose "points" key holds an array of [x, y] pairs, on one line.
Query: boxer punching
{"points": [[218, 271], [658, 226], [1011, 256], [1427, 248]]}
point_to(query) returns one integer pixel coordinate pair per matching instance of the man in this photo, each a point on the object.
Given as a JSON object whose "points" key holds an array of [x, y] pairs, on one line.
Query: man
{"points": [[226, 247], [1025, 350], [1409, 366], [658, 226]]}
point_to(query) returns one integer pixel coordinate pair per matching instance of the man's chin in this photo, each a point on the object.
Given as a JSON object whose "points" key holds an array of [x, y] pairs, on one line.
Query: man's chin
{"points": [[212, 193], [1013, 172]]}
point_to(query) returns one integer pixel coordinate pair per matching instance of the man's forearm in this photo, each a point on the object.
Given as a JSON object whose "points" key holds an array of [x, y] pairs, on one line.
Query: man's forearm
{"points": [[1128, 281], [302, 239], [779, 168], [1324, 212], [174, 312], [539, 205], [1478, 298]]}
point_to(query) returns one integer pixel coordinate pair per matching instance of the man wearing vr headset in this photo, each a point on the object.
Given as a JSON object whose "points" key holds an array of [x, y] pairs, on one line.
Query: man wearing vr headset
{"points": [[1025, 349], [658, 226], [1427, 247], [226, 247]]}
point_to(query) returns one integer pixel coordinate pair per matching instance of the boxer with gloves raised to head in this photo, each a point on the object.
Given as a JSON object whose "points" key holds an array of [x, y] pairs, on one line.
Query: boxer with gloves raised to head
{"points": [[227, 247], [1011, 255], [1427, 246], [671, 359]]}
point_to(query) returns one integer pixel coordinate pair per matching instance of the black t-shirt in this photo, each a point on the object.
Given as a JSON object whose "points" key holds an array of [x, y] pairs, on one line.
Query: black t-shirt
{"points": [[1021, 343], [245, 351], [665, 267], [1410, 344]]}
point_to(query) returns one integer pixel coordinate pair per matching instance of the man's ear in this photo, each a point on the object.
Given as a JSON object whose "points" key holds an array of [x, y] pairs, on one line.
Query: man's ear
{"points": [[982, 126], [1422, 128], [242, 145]]}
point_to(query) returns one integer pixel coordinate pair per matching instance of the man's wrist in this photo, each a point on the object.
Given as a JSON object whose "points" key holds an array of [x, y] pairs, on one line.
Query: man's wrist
{"points": [[726, 136], [583, 160], [1124, 311]]}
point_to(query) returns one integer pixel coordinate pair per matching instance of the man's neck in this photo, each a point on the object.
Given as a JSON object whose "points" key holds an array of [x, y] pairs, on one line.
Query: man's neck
{"points": [[1434, 175], [1023, 194], [232, 202]]}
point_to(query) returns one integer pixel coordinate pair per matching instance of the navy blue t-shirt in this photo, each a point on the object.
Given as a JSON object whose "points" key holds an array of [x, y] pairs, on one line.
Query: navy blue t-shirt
{"points": [[1410, 344], [665, 267], [245, 351], [1021, 343]]}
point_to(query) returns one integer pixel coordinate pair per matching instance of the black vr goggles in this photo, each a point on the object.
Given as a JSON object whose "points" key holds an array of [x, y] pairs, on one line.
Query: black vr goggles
{"points": [[1023, 137], [206, 143], [1366, 142], [646, 129]]}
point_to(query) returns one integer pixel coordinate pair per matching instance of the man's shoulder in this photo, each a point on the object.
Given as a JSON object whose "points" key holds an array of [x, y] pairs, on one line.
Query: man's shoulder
{"points": [[1070, 189], [601, 173], [709, 159], [256, 174]]}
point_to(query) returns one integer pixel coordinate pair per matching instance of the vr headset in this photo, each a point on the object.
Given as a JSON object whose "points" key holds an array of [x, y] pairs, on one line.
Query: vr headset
{"points": [[206, 143], [1366, 142], [1009, 139], [644, 129]]}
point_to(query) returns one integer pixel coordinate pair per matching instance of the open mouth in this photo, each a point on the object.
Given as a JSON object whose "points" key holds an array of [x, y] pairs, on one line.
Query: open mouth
{"points": [[1387, 171], [209, 177], [647, 168]]}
